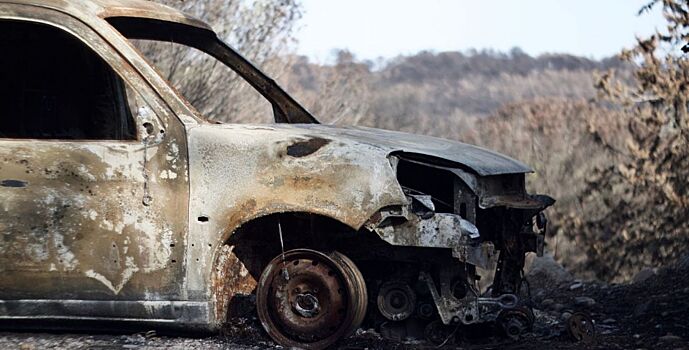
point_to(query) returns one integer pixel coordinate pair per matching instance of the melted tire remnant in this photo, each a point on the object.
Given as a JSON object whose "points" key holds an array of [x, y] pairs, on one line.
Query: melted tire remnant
{"points": [[304, 148]]}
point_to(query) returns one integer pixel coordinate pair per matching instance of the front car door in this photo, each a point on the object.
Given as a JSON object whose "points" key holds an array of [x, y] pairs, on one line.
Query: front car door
{"points": [[93, 179]]}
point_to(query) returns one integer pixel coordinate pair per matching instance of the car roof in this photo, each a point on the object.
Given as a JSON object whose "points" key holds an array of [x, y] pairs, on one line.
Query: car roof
{"points": [[117, 8]]}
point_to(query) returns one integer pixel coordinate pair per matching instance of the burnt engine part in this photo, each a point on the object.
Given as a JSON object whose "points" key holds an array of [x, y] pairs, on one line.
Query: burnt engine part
{"points": [[426, 311], [580, 327], [516, 322], [396, 300]]}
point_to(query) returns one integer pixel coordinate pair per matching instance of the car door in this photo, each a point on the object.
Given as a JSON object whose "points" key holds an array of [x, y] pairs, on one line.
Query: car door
{"points": [[93, 180]]}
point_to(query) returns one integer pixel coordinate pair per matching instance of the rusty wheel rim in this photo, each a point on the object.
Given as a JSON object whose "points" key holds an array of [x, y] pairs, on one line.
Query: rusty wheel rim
{"points": [[359, 291], [310, 300]]}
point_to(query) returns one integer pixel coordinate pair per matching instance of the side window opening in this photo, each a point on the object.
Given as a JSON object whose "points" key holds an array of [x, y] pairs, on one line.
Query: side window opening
{"points": [[53, 86]]}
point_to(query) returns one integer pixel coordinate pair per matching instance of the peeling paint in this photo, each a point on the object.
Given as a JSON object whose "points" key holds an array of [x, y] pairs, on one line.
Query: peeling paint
{"points": [[126, 275]]}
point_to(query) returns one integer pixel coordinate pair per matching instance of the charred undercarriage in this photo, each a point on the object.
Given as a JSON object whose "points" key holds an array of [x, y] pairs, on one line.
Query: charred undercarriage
{"points": [[451, 258]]}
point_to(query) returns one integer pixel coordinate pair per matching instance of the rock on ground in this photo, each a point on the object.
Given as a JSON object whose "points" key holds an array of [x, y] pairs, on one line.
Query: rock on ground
{"points": [[546, 271]]}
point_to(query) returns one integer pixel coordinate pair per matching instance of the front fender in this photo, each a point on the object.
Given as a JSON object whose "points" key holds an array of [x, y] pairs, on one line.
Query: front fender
{"points": [[239, 172]]}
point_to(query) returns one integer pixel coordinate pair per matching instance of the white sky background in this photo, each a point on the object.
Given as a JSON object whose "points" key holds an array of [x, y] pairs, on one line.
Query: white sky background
{"points": [[387, 28]]}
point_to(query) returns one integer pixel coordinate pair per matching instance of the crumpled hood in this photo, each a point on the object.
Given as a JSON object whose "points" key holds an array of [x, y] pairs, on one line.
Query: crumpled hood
{"points": [[480, 160]]}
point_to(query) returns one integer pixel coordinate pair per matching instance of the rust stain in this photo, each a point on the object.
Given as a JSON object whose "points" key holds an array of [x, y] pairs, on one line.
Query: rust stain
{"points": [[230, 278]]}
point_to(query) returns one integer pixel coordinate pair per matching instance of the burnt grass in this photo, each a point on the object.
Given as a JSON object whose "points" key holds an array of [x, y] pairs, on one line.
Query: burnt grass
{"points": [[648, 314]]}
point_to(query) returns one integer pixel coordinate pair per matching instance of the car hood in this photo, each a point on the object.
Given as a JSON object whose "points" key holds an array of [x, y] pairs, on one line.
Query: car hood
{"points": [[425, 148]]}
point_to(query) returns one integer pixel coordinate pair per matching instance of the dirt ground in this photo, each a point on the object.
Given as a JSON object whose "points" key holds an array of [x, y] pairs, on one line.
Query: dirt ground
{"points": [[651, 313]]}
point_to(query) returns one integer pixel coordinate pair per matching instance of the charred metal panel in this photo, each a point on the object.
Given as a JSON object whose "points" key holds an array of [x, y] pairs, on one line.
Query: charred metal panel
{"points": [[432, 150], [148, 10], [464, 201], [524, 201], [470, 190], [241, 172], [305, 148], [78, 228], [441, 230], [129, 8], [161, 312], [230, 279]]}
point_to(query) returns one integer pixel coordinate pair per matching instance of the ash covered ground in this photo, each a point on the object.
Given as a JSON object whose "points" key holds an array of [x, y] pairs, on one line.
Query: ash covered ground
{"points": [[648, 313]]}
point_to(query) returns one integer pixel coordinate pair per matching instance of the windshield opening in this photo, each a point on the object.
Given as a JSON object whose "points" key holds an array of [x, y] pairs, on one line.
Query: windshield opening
{"points": [[214, 78], [214, 89]]}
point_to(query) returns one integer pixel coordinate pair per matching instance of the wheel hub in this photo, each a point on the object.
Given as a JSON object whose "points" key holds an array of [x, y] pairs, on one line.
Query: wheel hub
{"points": [[310, 305], [306, 305]]}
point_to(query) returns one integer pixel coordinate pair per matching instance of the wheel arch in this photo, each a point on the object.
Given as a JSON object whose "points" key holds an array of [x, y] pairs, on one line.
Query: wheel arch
{"points": [[237, 264]]}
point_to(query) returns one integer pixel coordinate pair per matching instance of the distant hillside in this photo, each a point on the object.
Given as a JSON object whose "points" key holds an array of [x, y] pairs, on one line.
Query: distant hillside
{"points": [[437, 87], [456, 65]]}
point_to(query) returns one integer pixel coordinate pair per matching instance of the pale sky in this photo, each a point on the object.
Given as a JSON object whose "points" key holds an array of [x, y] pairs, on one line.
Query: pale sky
{"points": [[387, 28]]}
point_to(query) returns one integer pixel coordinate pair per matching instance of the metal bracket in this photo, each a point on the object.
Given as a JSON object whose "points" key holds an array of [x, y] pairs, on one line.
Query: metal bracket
{"points": [[451, 309]]}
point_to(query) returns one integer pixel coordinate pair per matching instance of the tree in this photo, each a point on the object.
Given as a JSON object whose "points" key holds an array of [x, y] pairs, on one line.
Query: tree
{"points": [[647, 196]]}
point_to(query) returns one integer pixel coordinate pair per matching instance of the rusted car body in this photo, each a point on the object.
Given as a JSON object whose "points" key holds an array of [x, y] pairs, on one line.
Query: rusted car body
{"points": [[167, 219]]}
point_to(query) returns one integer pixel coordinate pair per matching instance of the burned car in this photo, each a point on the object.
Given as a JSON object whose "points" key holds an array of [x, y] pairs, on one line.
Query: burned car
{"points": [[122, 205]]}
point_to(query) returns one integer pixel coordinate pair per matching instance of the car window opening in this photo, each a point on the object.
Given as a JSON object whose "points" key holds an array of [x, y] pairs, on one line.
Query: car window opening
{"points": [[55, 87]]}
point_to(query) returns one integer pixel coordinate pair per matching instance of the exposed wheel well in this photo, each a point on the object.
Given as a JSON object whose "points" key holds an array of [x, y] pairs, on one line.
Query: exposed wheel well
{"points": [[258, 241], [254, 244]]}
